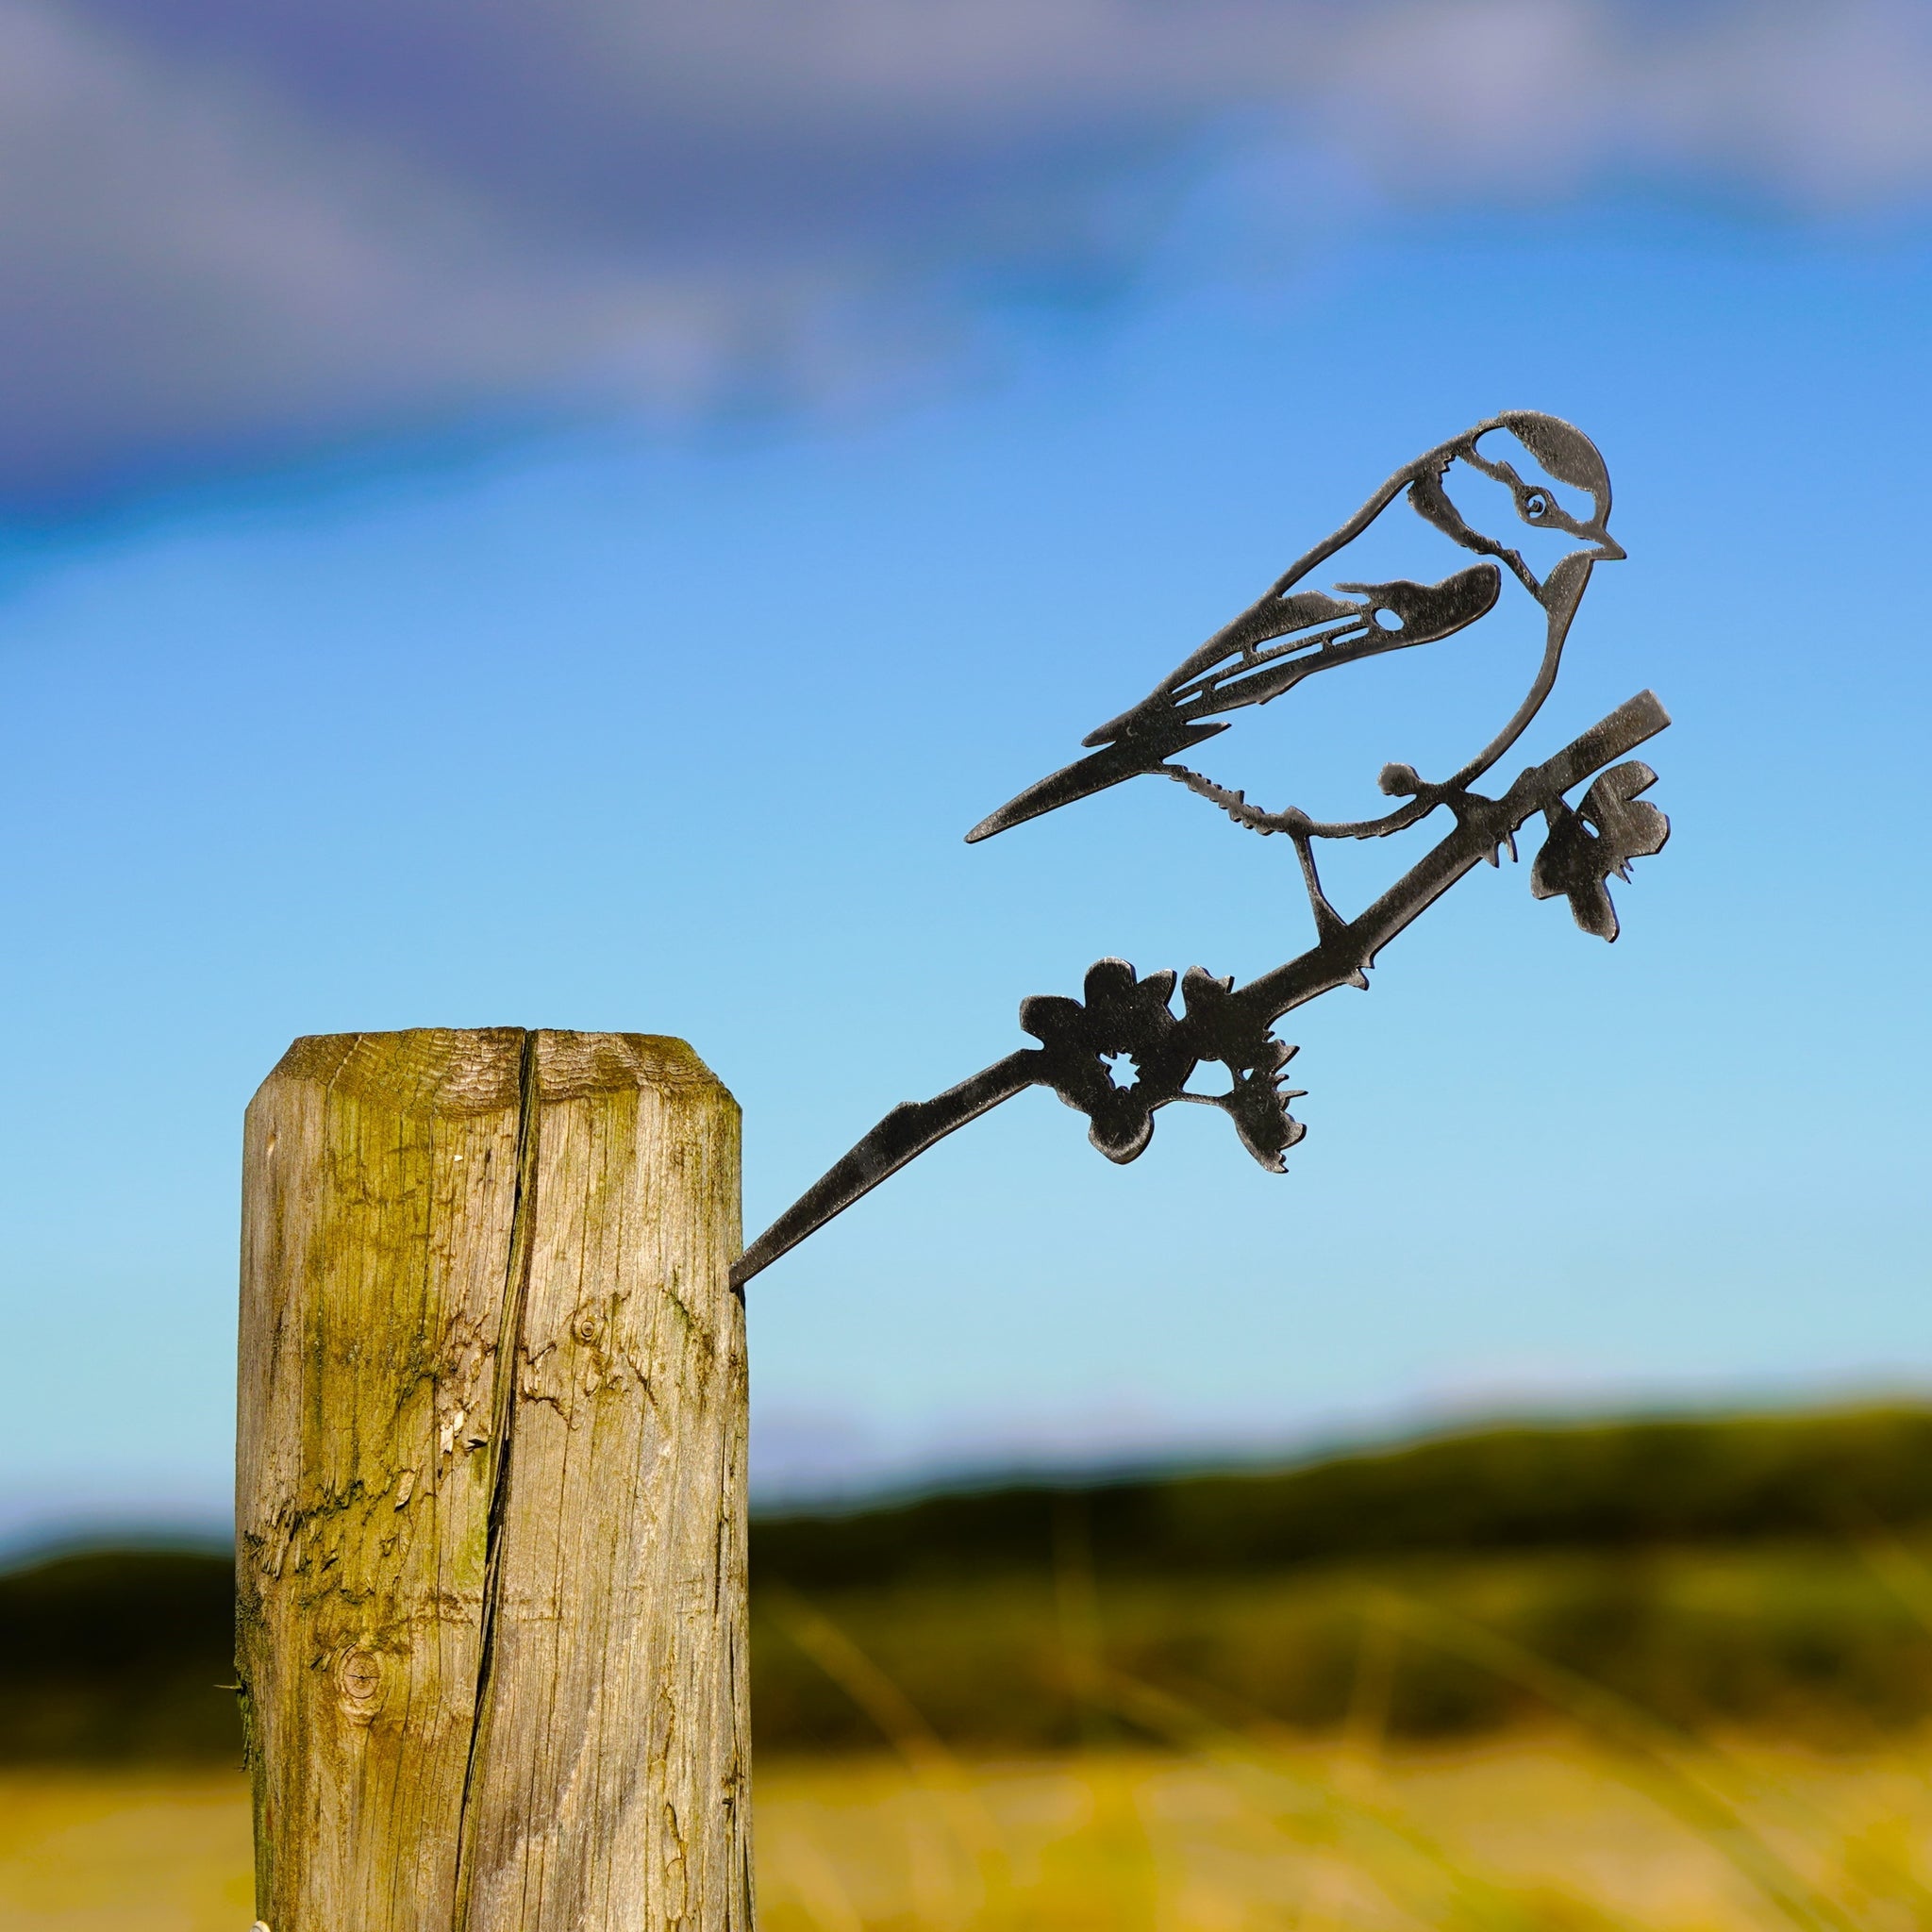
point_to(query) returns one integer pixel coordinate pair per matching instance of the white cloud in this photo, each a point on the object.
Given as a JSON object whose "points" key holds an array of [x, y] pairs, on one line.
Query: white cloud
{"points": [[193, 268], [229, 230]]}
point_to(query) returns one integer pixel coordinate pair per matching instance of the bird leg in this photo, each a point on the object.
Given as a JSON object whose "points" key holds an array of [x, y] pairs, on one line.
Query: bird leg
{"points": [[1294, 822], [1328, 922]]}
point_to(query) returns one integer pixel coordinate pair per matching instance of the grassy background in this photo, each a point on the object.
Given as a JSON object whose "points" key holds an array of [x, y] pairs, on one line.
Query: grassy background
{"points": [[1768, 1572], [1525, 1833]]}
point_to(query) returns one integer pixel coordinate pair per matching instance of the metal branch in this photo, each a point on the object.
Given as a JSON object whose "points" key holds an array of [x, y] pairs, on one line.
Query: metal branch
{"points": [[1125, 1015]]}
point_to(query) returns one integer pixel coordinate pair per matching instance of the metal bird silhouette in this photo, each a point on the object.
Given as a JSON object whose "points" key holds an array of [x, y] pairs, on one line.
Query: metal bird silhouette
{"points": [[1291, 633], [1122, 1053]]}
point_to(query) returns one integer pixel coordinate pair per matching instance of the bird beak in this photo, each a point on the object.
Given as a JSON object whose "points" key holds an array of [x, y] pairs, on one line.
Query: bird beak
{"points": [[1131, 758]]}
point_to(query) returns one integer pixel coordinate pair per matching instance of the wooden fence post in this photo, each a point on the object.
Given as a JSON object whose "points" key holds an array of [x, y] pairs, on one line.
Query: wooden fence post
{"points": [[491, 1486]]}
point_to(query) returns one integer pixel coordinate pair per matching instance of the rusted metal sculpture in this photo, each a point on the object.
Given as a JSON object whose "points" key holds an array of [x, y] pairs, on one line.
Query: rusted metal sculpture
{"points": [[1122, 1053]]}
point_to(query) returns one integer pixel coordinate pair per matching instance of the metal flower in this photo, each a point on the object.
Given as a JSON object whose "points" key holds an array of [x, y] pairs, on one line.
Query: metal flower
{"points": [[1125, 1018], [1600, 836], [1126, 1022]]}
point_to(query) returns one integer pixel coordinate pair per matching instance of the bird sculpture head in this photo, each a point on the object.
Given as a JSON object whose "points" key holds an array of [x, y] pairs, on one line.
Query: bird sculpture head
{"points": [[1295, 632]]}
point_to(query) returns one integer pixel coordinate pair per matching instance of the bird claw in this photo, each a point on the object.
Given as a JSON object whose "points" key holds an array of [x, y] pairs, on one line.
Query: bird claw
{"points": [[1489, 819]]}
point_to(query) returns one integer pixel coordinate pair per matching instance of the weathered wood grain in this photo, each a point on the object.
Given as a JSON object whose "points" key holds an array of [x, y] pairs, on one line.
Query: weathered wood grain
{"points": [[491, 1486]]}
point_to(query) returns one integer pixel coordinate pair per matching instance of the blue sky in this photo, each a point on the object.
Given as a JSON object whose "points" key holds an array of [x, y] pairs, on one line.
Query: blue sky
{"points": [[671, 719]]}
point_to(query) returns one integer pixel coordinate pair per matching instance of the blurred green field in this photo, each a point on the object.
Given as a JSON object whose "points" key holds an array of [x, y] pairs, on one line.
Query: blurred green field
{"points": [[1826, 1645], [1763, 1573]]}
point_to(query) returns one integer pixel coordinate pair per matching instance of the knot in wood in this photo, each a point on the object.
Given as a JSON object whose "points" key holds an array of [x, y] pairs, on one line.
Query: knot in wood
{"points": [[359, 1684]]}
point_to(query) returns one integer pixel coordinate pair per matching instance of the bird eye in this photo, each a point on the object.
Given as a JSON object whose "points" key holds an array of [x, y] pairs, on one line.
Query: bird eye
{"points": [[1536, 505]]}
